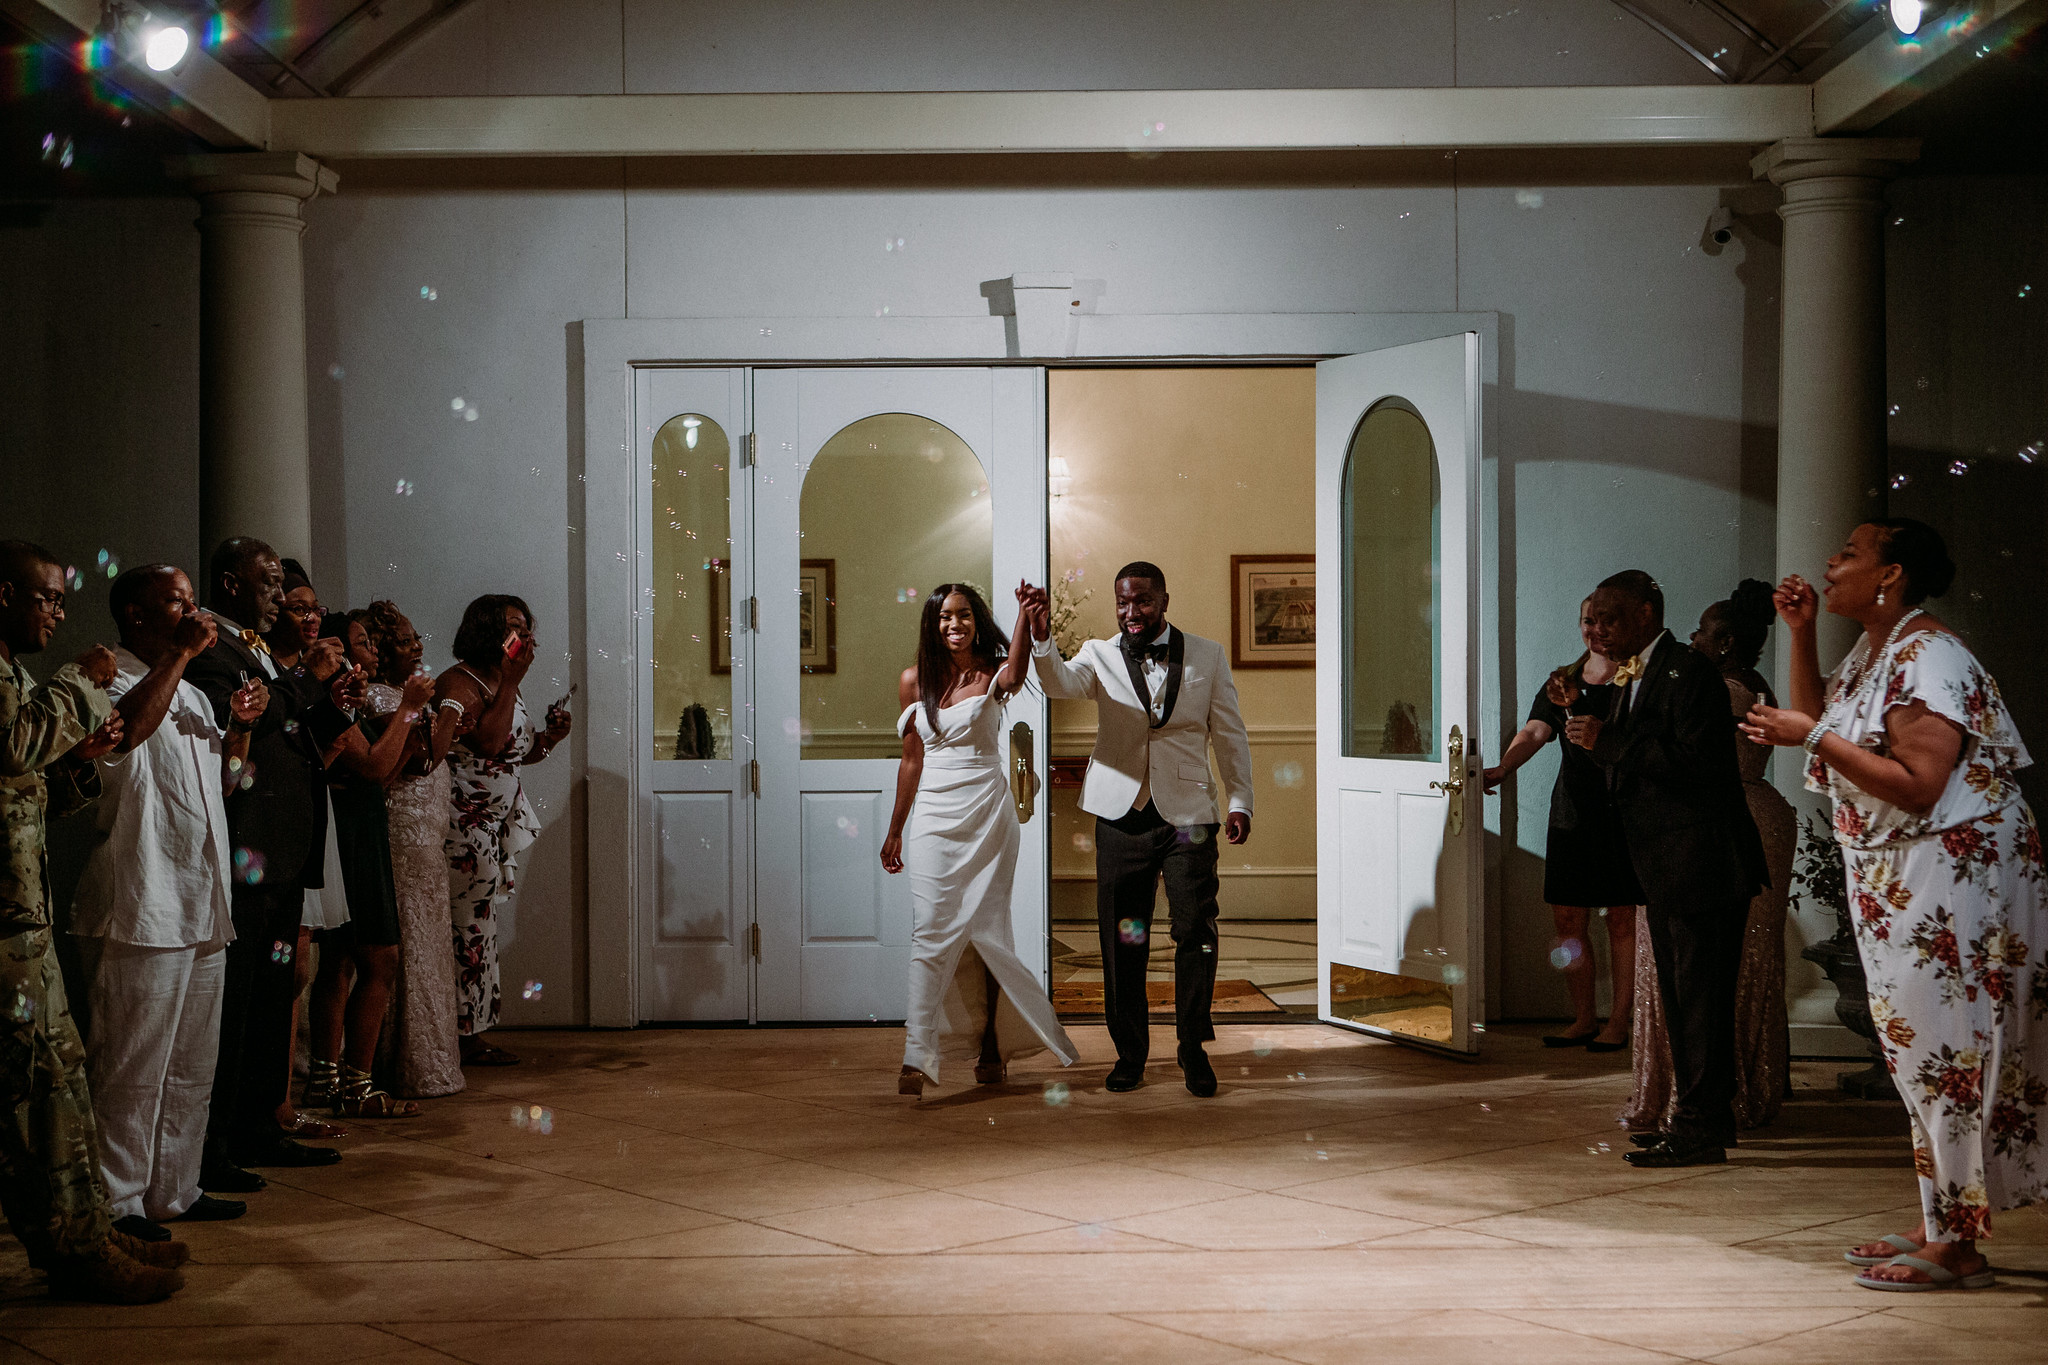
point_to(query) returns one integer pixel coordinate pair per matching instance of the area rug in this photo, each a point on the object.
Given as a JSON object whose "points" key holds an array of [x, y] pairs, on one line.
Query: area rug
{"points": [[1232, 997]]}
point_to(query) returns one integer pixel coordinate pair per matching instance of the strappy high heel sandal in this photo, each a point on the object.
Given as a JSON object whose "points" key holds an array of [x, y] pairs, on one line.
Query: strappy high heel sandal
{"points": [[359, 1100], [323, 1082], [911, 1082]]}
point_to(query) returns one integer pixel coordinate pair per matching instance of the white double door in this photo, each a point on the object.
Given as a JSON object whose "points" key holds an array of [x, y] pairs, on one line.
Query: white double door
{"points": [[852, 494]]}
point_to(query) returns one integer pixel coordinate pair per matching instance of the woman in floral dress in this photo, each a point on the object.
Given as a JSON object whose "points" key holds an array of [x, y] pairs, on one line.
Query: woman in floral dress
{"points": [[483, 729], [1946, 882]]}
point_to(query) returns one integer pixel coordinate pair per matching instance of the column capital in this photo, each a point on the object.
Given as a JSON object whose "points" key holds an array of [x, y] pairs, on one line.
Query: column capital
{"points": [[1804, 158], [288, 173]]}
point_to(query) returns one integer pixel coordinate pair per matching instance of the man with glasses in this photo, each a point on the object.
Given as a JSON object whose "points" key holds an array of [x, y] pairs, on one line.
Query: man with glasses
{"points": [[49, 1148]]}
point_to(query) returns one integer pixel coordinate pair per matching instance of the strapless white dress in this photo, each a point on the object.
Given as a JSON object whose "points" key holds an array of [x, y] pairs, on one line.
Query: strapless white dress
{"points": [[960, 852]]}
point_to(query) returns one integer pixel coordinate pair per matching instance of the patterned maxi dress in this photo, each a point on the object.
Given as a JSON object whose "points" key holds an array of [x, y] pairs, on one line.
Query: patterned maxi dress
{"points": [[490, 824], [1952, 922]]}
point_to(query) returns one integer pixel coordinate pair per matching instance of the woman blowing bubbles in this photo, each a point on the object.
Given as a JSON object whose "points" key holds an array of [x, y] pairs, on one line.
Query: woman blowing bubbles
{"points": [[1910, 738]]}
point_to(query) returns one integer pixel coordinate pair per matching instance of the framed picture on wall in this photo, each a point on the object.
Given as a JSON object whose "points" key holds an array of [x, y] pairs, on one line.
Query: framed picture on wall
{"points": [[818, 616], [720, 575], [1273, 611]]}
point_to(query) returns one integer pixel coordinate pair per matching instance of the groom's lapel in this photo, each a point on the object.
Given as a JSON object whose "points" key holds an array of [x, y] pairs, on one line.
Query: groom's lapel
{"points": [[1176, 653], [1137, 672]]}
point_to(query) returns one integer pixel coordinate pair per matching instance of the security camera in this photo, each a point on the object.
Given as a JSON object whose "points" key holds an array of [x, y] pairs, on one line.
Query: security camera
{"points": [[1721, 226]]}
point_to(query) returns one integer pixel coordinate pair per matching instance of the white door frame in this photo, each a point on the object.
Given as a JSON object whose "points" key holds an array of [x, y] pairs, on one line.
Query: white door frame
{"points": [[605, 508]]}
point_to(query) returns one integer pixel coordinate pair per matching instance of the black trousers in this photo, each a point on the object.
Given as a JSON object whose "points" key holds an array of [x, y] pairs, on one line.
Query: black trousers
{"points": [[1698, 957], [1131, 855], [255, 1020]]}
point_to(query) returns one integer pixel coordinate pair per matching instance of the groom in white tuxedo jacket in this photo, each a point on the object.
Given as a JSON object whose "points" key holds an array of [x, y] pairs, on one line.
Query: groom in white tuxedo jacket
{"points": [[1163, 700]]}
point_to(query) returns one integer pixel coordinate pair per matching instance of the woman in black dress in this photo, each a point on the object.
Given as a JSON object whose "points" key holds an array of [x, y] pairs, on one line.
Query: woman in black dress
{"points": [[1587, 866]]}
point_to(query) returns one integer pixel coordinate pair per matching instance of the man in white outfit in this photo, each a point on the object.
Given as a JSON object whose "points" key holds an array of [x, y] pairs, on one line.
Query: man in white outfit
{"points": [[1163, 700], [153, 909]]}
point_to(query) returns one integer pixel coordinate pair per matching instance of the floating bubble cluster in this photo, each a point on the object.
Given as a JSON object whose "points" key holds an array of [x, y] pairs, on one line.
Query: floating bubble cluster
{"points": [[533, 1119], [109, 563], [280, 951], [402, 489], [531, 990], [21, 1009], [73, 579], [1289, 774], [1056, 1093], [429, 293], [248, 861], [1131, 930], [1262, 1047], [1959, 467], [1901, 480]]}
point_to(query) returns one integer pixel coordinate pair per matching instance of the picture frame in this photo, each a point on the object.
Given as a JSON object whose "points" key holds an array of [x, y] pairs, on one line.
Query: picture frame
{"points": [[719, 576], [817, 588], [1273, 611]]}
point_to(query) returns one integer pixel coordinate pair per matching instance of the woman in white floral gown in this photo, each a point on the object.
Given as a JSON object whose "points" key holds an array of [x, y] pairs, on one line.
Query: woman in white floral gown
{"points": [[1946, 887]]}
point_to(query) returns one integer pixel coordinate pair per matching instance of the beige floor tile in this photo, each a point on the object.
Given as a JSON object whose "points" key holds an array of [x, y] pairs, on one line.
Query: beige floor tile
{"points": [[1439, 1239], [712, 1341], [1264, 1222], [1097, 1193], [930, 1220], [1456, 1338], [720, 1239], [560, 1222], [1691, 1331], [1021, 1339], [1884, 1336], [783, 1187], [284, 1226], [944, 1161], [1278, 1332], [1093, 1238], [2015, 1313], [115, 1345]]}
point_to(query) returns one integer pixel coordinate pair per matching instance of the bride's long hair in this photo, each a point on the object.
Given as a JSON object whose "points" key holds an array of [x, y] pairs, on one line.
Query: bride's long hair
{"points": [[935, 661]]}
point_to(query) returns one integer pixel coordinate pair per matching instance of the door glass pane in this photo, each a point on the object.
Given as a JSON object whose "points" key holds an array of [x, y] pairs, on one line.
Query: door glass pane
{"points": [[692, 603], [892, 506], [1392, 640]]}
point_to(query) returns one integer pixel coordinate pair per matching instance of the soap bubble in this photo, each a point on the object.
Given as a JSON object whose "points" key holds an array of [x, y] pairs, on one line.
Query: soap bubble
{"points": [[22, 1009], [248, 861], [533, 1119], [73, 579], [1084, 843], [1262, 1047], [429, 293], [2029, 452], [1528, 199], [1901, 480], [1566, 953], [109, 562], [1089, 1229], [1289, 774], [1486, 1109], [1892, 411], [1131, 930], [531, 990], [1959, 467], [335, 372], [1454, 976], [455, 404], [403, 488], [2025, 290], [280, 951], [470, 414], [1056, 1093]]}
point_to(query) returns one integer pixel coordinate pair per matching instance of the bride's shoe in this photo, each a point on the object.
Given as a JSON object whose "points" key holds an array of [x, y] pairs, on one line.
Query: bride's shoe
{"points": [[911, 1082], [991, 1073]]}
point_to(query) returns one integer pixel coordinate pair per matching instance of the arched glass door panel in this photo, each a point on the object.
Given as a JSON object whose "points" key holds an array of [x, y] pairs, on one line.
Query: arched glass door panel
{"points": [[1393, 638], [691, 600], [892, 506]]}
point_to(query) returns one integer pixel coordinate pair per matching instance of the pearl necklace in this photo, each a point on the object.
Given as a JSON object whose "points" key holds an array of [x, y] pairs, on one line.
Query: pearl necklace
{"points": [[1853, 689]]}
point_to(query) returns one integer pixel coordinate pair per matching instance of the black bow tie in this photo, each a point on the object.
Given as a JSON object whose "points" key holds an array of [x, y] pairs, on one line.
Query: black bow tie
{"points": [[1155, 652]]}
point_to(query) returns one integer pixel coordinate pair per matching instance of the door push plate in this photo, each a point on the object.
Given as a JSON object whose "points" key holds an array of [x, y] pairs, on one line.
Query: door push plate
{"points": [[754, 614], [1024, 784], [1454, 786], [747, 447], [754, 776], [754, 940]]}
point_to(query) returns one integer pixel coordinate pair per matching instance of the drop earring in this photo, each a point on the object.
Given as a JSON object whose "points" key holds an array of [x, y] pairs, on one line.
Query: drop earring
{"points": [[1880, 597]]}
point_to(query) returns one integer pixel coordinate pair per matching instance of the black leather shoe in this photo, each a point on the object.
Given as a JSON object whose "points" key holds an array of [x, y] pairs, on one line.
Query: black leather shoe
{"points": [[207, 1209], [1646, 1139], [1125, 1076], [1194, 1065], [228, 1178], [1668, 1154], [285, 1152], [142, 1229]]}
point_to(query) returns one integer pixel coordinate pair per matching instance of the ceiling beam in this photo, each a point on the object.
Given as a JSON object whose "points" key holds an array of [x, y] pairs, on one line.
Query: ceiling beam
{"points": [[200, 95], [1887, 73], [1040, 121]]}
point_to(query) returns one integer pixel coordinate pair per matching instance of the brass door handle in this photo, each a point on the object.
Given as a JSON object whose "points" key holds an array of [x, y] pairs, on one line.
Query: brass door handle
{"points": [[1450, 788], [1024, 784]]}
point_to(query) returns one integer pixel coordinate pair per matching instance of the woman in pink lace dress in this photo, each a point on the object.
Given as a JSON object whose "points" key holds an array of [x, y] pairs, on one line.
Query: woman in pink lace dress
{"points": [[484, 731]]}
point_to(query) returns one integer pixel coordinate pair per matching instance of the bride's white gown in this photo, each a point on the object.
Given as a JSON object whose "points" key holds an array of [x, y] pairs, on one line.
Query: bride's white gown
{"points": [[960, 852]]}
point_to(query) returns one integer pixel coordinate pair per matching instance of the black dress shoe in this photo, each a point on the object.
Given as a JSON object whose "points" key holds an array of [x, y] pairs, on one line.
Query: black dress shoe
{"points": [[207, 1209], [228, 1178], [1646, 1139], [1668, 1154], [142, 1229], [285, 1152], [1125, 1076], [1194, 1064]]}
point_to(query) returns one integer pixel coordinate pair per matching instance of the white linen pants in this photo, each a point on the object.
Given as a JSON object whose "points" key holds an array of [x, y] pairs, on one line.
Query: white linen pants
{"points": [[155, 1039]]}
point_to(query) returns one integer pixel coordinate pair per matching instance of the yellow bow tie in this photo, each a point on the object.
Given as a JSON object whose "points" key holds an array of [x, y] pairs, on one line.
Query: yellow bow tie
{"points": [[255, 641], [1628, 672]]}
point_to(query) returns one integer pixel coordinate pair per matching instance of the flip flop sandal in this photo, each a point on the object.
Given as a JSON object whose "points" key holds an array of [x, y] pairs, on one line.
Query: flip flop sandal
{"points": [[1937, 1278], [1903, 1245]]}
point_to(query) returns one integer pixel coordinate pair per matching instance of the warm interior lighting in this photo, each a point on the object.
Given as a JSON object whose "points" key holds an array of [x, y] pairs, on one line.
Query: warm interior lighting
{"points": [[1058, 478], [163, 48], [1909, 16]]}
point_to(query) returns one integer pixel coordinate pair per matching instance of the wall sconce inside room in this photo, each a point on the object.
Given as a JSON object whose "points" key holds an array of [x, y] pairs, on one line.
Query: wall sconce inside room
{"points": [[1058, 478]]}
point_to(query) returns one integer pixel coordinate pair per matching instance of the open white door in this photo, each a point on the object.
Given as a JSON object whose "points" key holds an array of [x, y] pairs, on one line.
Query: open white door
{"points": [[873, 486], [1400, 891]]}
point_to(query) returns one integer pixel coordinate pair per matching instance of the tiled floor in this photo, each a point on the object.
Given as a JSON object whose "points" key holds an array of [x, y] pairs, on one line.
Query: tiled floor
{"points": [[1277, 956], [766, 1197]]}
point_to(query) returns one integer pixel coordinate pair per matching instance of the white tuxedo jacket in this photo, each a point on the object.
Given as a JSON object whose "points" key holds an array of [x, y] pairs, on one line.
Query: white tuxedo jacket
{"points": [[1175, 757]]}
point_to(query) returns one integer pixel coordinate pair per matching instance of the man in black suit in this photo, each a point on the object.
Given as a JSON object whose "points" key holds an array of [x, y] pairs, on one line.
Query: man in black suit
{"points": [[277, 821], [1669, 751]]}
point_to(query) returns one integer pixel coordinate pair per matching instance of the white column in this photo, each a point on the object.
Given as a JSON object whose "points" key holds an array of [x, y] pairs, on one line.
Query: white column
{"points": [[253, 446], [1831, 440], [1831, 387]]}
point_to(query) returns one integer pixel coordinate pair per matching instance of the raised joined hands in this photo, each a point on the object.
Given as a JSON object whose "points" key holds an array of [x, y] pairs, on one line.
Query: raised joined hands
{"points": [[102, 741]]}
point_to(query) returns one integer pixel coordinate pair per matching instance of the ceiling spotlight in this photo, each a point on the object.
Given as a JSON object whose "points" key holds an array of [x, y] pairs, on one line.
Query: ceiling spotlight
{"points": [[1908, 17], [165, 46]]}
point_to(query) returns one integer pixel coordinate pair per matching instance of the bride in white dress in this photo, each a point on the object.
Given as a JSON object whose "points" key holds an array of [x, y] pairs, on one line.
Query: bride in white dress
{"points": [[956, 830]]}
